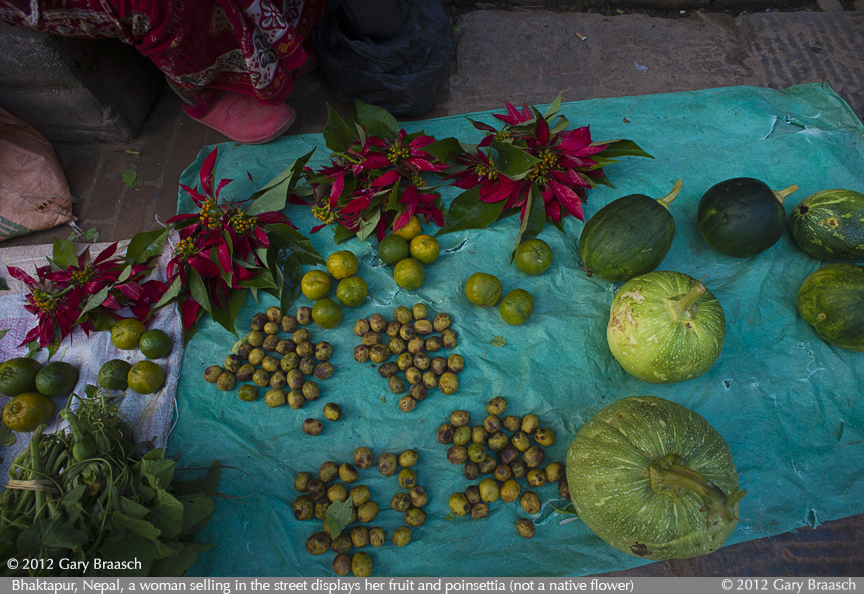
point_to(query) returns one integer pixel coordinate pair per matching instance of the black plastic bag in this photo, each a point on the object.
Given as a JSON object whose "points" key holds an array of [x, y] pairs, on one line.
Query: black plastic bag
{"points": [[402, 74], [375, 18]]}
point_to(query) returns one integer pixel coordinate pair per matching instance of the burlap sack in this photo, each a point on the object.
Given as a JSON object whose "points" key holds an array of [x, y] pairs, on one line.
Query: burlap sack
{"points": [[34, 194]]}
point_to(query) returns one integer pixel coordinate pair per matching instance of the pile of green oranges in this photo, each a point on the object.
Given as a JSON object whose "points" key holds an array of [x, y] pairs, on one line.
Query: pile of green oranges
{"points": [[408, 250], [351, 290], [482, 289]]}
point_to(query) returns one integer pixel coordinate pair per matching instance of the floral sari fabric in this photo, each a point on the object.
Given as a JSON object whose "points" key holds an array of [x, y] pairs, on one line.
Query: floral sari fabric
{"points": [[244, 46]]}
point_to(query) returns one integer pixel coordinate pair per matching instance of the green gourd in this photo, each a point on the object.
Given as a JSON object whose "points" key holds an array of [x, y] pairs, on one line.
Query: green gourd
{"points": [[829, 225], [742, 217], [665, 327], [629, 236], [654, 479], [832, 301]]}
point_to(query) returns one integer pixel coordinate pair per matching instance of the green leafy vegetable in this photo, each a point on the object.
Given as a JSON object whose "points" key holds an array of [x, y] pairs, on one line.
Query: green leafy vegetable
{"points": [[130, 178]]}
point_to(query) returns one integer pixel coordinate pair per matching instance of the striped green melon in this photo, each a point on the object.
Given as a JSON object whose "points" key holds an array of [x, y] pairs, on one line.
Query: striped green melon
{"points": [[654, 479], [829, 225], [832, 301]]}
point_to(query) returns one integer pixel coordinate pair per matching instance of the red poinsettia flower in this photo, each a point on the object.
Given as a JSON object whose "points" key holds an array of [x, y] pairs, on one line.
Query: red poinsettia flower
{"points": [[56, 317]]}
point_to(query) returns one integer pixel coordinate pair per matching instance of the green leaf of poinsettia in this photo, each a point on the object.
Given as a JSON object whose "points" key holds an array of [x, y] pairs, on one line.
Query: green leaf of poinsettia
{"points": [[338, 135], [467, 211], [377, 121], [444, 149], [621, 148], [534, 218], [64, 253], [341, 234], [227, 316], [513, 161], [3, 285], [274, 195], [146, 244], [285, 236]]}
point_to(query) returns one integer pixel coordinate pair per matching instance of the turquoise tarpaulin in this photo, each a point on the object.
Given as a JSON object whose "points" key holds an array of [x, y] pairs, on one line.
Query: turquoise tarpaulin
{"points": [[788, 404]]}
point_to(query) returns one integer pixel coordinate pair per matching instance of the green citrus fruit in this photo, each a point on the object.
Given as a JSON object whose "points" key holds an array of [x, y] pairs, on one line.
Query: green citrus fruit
{"points": [[483, 290], [533, 257], [146, 377], [392, 249], [424, 248], [27, 411], [410, 230], [327, 313], [126, 333], [342, 264], [516, 307], [352, 291], [315, 285], [18, 375], [409, 274], [155, 344], [113, 374], [56, 379]]}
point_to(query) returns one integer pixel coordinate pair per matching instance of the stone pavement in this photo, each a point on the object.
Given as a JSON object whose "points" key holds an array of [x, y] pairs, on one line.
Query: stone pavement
{"points": [[532, 55]]}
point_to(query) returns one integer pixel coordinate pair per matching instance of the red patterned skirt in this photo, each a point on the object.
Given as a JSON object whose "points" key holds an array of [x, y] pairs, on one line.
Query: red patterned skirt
{"points": [[243, 46]]}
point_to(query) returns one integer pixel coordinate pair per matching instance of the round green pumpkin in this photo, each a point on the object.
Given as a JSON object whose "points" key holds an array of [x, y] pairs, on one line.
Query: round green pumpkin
{"points": [[665, 327], [832, 301], [829, 225], [629, 236], [654, 479], [742, 217]]}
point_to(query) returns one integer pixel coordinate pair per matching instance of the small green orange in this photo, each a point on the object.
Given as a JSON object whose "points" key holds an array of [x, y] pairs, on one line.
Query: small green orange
{"points": [[424, 248], [516, 307], [327, 313], [342, 264], [315, 285], [410, 230], [155, 344], [533, 256], [352, 291], [27, 411], [126, 333], [409, 274], [58, 378], [392, 249], [18, 375], [146, 377], [112, 375], [482, 289]]}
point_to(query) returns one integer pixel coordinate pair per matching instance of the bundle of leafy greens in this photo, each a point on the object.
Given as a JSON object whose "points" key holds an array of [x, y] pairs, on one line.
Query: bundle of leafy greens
{"points": [[90, 501]]}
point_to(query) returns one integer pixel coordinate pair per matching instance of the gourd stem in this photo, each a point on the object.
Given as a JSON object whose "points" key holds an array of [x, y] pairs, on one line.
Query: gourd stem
{"points": [[672, 195], [669, 475], [782, 194], [680, 307]]}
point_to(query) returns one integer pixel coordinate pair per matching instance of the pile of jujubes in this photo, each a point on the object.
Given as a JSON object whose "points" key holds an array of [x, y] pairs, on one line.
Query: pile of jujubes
{"points": [[509, 449], [411, 338], [333, 488]]}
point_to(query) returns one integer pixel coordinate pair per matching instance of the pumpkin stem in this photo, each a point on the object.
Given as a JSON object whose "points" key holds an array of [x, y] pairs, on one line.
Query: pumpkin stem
{"points": [[669, 476], [672, 195], [782, 194], [682, 306]]}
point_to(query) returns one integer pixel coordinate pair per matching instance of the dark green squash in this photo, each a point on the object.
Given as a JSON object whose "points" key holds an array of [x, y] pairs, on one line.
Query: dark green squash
{"points": [[629, 236], [832, 301], [742, 217], [829, 225]]}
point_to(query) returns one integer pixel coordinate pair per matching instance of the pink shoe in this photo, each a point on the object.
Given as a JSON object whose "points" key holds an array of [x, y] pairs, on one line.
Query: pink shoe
{"points": [[246, 120]]}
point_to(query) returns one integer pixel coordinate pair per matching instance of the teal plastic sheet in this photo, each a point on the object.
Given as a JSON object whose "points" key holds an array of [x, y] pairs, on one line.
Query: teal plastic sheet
{"points": [[788, 404]]}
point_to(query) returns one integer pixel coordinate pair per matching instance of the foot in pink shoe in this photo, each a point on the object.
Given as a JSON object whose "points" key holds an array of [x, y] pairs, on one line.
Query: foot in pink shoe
{"points": [[246, 120]]}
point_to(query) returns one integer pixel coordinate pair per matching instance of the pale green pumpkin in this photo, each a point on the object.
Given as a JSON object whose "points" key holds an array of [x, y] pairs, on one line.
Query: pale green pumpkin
{"points": [[654, 479], [665, 327]]}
